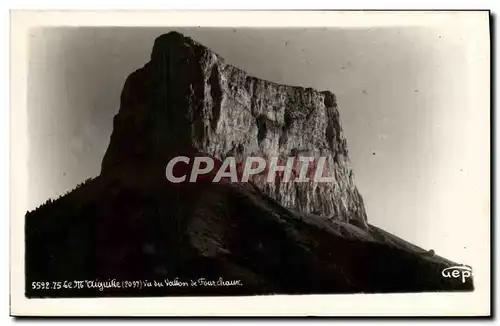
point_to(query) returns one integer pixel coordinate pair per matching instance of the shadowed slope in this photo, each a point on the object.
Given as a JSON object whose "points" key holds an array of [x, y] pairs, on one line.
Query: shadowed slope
{"points": [[136, 230]]}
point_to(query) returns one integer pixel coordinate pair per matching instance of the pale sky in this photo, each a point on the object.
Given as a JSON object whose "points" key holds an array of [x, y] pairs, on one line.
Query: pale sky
{"points": [[413, 102]]}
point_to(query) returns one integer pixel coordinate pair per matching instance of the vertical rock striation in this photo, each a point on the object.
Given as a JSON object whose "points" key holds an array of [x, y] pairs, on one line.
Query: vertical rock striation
{"points": [[188, 98]]}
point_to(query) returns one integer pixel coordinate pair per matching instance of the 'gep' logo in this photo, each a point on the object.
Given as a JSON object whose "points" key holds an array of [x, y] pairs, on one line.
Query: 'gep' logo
{"points": [[463, 272]]}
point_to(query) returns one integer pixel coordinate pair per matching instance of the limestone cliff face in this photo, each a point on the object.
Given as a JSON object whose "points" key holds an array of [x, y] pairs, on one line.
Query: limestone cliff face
{"points": [[188, 98]]}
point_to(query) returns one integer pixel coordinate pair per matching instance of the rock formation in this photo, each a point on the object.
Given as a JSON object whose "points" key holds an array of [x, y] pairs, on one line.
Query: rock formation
{"points": [[130, 224], [188, 97]]}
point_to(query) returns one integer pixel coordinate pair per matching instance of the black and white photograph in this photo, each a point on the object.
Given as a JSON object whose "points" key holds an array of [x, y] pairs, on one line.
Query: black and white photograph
{"points": [[251, 156]]}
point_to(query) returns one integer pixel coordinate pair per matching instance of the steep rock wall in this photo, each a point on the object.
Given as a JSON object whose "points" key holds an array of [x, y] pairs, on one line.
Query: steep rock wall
{"points": [[187, 97]]}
